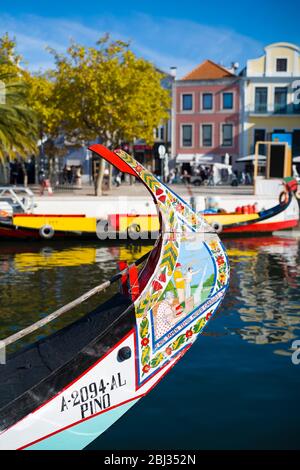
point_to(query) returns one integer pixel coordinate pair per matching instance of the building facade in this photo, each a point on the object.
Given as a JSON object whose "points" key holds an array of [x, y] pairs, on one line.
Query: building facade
{"points": [[206, 114], [148, 154], [269, 96]]}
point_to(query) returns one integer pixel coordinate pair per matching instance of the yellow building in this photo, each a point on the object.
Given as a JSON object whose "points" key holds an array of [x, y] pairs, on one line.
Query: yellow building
{"points": [[270, 96]]}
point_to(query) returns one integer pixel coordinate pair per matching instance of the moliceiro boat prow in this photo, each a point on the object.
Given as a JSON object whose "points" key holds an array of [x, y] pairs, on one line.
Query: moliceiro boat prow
{"points": [[66, 389]]}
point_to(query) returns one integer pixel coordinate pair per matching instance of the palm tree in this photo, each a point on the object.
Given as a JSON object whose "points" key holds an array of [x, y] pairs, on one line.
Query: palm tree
{"points": [[18, 127]]}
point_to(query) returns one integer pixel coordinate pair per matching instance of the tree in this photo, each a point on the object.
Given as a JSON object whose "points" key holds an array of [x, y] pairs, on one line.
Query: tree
{"points": [[108, 93], [41, 99], [18, 131]]}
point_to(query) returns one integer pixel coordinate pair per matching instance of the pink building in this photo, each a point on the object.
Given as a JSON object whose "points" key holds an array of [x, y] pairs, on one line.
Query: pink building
{"points": [[206, 114]]}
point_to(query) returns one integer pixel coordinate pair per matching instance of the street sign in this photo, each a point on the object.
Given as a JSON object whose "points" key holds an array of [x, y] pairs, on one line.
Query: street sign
{"points": [[161, 151]]}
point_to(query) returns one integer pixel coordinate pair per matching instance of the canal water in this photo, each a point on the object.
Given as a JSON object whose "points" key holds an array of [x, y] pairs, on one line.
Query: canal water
{"points": [[237, 387]]}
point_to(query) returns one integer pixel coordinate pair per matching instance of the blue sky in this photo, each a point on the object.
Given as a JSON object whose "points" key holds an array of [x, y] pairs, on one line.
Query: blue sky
{"points": [[169, 33]]}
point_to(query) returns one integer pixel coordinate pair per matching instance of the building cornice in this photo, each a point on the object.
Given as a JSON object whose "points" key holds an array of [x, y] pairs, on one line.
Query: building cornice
{"points": [[223, 81]]}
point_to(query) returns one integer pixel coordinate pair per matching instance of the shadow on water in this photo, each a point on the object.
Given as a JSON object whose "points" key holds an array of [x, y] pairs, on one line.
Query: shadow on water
{"points": [[236, 388], [38, 279], [264, 291]]}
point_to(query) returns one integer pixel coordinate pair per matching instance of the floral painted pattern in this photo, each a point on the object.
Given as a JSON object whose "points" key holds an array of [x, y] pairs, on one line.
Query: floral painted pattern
{"points": [[221, 261], [178, 219]]}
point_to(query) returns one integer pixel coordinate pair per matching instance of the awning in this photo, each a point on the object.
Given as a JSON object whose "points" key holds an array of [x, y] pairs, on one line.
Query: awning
{"points": [[251, 158], [185, 158], [193, 158], [73, 162]]}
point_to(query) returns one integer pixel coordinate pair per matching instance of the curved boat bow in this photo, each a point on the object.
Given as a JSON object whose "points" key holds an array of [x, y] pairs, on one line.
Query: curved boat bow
{"points": [[65, 390]]}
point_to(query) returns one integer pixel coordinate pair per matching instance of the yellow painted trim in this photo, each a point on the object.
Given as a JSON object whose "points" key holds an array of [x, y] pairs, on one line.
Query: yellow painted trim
{"points": [[223, 219], [146, 223], [226, 219], [68, 224]]}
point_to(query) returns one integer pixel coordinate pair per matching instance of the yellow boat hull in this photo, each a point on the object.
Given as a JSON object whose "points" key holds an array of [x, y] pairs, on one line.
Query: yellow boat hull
{"points": [[58, 223]]}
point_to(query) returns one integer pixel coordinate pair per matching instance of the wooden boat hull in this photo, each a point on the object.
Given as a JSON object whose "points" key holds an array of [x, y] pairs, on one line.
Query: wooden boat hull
{"points": [[28, 226], [280, 217], [66, 389], [82, 397], [76, 416]]}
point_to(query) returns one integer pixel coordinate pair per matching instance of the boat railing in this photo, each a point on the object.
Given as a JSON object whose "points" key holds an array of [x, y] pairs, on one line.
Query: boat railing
{"points": [[74, 303], [19, 197]]}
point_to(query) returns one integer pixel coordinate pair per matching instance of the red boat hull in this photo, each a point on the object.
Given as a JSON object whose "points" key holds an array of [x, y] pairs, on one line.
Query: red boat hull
{"points": [[263, 227]]}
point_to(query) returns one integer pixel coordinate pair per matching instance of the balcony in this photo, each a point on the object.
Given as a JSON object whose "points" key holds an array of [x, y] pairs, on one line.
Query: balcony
{"points": [[273, 109], [290, 109]]}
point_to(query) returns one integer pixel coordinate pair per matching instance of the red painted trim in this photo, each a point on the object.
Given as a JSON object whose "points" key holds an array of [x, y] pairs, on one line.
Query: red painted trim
{"points": [[75, 380], [168, 363], [80, 421], [25, 233], [122, 266], [138, 215], [14, 233], [133, 277], [227, 213], [112, 158], [115, 406], [114, 221], [266, 227], [50, 215]]}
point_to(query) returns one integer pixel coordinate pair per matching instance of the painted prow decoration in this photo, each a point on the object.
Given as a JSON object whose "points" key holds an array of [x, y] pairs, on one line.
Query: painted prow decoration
{"points": [[66, 389]]}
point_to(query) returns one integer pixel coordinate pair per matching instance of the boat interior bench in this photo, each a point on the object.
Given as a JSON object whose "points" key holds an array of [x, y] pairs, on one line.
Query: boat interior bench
{"points": [[31, 365]]}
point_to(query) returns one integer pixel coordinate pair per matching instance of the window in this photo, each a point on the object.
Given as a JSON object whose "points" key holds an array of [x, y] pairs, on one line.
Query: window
{"points": [[259, 135], [187, 102], [296, 108], [207, 135], [187, 135], [261, 99], [280, 100], [281, 65], [207, 101], [227, 135], [227, 100]]}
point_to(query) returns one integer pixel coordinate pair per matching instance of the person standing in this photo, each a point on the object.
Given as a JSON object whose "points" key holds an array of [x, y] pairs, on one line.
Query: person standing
{"points": [[42, 179]]}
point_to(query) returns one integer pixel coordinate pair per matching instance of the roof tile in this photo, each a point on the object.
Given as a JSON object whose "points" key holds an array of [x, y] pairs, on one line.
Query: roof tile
{"points": [[208, 70]]}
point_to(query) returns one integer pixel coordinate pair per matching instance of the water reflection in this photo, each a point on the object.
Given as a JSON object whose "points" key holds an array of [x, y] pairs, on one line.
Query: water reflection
{"points": [[36, 280], [261, 307], [265, 276]]}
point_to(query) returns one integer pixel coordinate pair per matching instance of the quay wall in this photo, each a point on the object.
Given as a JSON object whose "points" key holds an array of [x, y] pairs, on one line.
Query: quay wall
{"points": [[102, 207]]}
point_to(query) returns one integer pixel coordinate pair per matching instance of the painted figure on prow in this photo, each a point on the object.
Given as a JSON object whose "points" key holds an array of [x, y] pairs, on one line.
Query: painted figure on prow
{"points": [[179, 283]]}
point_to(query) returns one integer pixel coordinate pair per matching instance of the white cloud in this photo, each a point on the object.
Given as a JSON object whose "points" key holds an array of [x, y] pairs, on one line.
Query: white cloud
{"points": [[165, 41]]}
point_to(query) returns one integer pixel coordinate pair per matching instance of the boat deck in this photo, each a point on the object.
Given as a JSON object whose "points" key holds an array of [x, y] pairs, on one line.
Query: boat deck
{"points": [[29, 367]]}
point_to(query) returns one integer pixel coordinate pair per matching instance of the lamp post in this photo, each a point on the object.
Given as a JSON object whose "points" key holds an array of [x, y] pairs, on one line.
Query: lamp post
{"points": [[162, 153]]}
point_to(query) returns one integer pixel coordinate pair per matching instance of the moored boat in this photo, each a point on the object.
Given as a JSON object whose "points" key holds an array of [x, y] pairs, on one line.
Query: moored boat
{"points": [[66, 389], [284, 215], [245, 220]]}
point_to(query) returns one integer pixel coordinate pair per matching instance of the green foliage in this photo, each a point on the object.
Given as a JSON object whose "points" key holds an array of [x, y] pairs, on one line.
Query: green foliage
{"points": [[18, 129], [144, 327], [178, 342], [209, 281], [108, 92], [157, 360], [146, 355], [96, 92], [199, 325]]}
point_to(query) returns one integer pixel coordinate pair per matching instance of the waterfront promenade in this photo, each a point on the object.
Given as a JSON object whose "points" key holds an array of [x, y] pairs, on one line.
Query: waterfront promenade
{"points": [[137, 189], [135, 199]]}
